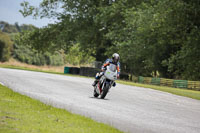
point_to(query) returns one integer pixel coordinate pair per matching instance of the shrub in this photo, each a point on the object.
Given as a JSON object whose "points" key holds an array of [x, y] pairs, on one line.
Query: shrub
{"points": [[5, 47]]}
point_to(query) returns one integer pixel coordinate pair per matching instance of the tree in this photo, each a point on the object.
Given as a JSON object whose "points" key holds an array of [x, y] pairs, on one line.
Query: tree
{"points": [[18, 27], [150, 36], [152, 33], [80, 21]]}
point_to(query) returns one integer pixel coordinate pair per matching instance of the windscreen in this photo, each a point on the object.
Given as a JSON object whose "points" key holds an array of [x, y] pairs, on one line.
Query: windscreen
{"points": [[112, 67]]}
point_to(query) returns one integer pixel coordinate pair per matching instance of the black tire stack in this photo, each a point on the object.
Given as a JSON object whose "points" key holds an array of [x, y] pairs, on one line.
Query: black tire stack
{"points": [[88, 71]]}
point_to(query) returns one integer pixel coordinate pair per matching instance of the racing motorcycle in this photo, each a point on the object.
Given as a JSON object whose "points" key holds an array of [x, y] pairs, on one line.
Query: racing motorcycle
{"points": [[106, 81]]}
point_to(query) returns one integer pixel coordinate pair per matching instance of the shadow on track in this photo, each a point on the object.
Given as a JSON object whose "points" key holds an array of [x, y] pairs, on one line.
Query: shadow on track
{"points": [[99, 98]]}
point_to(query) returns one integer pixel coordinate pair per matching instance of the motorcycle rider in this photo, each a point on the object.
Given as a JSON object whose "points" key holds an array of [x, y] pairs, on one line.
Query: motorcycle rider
{"points": [[115, 61]]}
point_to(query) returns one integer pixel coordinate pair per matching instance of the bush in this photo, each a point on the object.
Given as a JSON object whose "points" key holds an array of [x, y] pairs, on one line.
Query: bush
{"points": [[5, 47]]}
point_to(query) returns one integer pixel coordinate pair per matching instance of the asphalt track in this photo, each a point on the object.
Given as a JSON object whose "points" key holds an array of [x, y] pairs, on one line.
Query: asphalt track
{"points": [[130, 109]]}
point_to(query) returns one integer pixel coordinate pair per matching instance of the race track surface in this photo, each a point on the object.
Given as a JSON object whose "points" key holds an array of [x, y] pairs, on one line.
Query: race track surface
{"points": [[130, 109]]}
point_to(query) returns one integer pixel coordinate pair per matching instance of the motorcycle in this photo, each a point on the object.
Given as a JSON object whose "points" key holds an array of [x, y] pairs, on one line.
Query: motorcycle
{"points": [[106, 81]]}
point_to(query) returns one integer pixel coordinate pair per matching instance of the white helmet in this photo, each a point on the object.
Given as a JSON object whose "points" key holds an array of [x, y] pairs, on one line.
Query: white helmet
{"points": [[115, 57]]}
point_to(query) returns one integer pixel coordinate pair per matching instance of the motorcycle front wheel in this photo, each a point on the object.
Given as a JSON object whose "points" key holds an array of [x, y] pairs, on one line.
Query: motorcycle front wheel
{"points": [[95, 92], [105, 91]]}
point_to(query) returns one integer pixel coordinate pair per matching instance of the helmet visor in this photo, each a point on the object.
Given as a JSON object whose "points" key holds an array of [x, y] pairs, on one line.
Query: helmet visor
{"points": [[116, 59]]}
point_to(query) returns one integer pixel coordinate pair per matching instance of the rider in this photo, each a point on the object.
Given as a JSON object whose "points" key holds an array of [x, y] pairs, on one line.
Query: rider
{"points": [[115, 61]]}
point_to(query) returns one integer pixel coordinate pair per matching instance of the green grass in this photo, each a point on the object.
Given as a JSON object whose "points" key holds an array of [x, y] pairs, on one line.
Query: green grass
{"points": [[21, 114], [177, 91], [181, 92]]}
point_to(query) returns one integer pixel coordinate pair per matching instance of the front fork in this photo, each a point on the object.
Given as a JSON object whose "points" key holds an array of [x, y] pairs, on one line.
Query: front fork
{"points": [[104, 82], [100, 85]]}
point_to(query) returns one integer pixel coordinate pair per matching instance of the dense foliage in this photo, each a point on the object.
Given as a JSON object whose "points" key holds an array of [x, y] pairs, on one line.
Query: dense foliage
{"points": [[25, 53], [32, 49], [39, 46], [152, 36], [5, 47]]}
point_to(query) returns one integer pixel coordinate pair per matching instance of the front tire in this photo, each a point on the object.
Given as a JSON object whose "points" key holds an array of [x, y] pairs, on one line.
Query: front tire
{"points": [[95, 93], [105, 91]]}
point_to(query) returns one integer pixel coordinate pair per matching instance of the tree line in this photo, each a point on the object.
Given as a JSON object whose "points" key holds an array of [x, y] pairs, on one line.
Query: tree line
{"points": [[14, 42], [153, 37], [15, 28]]}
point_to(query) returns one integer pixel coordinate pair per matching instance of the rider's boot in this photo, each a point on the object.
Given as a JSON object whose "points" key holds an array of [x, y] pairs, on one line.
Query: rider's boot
{"points": [[114, 84], [95, 82]]}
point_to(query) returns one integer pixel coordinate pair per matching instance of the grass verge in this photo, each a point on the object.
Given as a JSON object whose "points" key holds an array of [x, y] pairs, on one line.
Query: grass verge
{"points": [[37, 70], [181, 92], [28, 69], [177, 91], [21, 114]]}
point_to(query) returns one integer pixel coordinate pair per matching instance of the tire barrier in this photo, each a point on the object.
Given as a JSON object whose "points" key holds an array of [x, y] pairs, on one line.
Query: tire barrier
{"points": [[66, 70], [194, 85], [71, 70], [147, 80], [141, 79], [185, 84], [155, 81], [124, 76], [74, 70], [91, 72], [166, 82], [180, 83], [88, 71]]}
